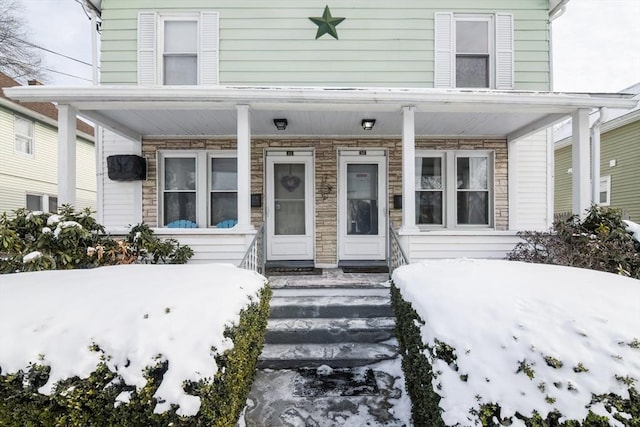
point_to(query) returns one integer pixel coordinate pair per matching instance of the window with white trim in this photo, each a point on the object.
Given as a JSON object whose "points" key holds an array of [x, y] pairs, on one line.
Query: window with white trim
{"points": [[198, 189], [474, 50], [37, 202], [454, 189], [23, 132], [604, 198], [178, 48]]}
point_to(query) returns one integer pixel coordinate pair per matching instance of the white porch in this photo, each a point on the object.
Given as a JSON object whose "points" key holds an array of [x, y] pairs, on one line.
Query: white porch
{"points": [[246, 113]]}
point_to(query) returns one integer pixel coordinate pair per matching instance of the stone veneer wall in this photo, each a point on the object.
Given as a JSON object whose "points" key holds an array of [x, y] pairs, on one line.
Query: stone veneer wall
{"points": [[326, 162]]}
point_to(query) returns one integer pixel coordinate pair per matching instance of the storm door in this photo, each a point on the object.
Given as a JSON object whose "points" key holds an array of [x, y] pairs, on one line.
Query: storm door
{"points": [[362, 205], [290, 206]]}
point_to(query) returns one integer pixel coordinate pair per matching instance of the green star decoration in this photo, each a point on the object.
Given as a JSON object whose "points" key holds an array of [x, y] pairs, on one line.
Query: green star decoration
{"points": [[326, 24]]}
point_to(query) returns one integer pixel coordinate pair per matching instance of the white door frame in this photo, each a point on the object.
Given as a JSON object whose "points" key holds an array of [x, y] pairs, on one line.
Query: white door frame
{"points": [[362, 247], [290, 247]]}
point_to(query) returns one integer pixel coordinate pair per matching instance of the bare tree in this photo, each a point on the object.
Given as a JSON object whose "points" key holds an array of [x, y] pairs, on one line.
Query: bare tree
{"points": [[18, 58]]}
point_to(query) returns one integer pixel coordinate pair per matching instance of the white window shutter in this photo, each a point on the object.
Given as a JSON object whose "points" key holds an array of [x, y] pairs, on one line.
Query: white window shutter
{"points": [[209, 48], [147, 57], [444, 54], [504, 51]]}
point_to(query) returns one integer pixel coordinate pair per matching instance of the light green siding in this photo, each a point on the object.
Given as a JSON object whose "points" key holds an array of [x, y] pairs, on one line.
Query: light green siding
{"points": [[621, 145], [563, 193], [382, 42]]}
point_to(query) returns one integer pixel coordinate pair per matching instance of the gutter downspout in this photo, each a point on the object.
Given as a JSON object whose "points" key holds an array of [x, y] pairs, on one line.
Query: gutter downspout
{"points": [[595, 156], [97, 129]]}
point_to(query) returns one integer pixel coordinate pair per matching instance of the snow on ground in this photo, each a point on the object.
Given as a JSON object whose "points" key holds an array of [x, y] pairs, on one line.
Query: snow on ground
{"points": [[499, 314], [133, 313]]}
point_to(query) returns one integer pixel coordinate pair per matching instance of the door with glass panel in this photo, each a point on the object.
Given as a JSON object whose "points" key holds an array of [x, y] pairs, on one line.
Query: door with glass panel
{"points": [[289, 209], [362, 205]]}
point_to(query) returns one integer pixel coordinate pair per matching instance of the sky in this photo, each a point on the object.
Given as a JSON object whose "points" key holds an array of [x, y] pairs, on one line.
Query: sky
{"points": [[596, 43]]}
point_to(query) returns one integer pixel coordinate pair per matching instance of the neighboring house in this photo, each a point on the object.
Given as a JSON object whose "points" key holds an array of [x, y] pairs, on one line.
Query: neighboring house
{"points": [[29, 155], [619, 171], [330, 123]]}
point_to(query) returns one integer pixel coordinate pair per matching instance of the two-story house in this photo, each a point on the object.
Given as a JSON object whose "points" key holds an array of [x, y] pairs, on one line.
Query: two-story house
{"points": [[334, 124], [28, 155]]}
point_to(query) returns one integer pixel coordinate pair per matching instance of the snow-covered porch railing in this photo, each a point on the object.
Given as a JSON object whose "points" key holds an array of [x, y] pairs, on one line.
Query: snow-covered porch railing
{"points": [[397, 257], [254, 257]]}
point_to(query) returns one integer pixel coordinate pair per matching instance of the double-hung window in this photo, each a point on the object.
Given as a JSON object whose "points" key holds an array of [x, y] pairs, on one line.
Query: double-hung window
{"points": [[180, 51], [474, 50], [38, 202], [604, 198], [177, 48], [454, 189], [198, 188], [23, 132]]}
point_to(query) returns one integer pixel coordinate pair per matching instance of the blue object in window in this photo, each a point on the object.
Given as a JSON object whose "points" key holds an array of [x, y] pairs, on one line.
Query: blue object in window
{"points": [[227, 223], [182, 223]]}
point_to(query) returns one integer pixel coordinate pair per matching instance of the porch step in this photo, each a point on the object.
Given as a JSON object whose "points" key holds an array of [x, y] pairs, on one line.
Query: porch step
{"points": [[339, 355], [346, 325], [329, 331], [349, 306]]}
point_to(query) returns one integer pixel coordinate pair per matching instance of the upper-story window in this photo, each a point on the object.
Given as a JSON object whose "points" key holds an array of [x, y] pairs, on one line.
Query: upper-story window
{"points": [[474, 51], [180, 52], [23, 131], [178, 48]]}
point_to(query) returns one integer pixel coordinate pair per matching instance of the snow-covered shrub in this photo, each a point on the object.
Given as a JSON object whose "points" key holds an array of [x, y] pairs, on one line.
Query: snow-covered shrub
{"points": [[105, 399], [599, 242], [71, 239], [495, 343]]}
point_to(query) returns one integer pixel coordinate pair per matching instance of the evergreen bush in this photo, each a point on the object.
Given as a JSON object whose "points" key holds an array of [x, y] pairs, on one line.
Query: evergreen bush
{"points": [[599, 242], [32, 241]]}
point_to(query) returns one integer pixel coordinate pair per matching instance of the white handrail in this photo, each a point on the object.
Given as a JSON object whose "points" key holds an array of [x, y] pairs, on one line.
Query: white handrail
{"points": [[254, 257], [397, 257]]}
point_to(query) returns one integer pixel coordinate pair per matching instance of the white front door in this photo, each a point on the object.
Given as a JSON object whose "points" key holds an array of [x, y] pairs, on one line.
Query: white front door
{"points": [[362, 205], [290, 205]]}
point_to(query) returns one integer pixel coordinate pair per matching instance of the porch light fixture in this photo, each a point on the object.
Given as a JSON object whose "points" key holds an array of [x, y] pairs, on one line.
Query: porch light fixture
{"points": [[280, 124], [368, 124]]}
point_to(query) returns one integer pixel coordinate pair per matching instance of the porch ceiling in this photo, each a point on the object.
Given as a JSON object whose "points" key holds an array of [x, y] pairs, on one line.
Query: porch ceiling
{"points": [[318, 112]]}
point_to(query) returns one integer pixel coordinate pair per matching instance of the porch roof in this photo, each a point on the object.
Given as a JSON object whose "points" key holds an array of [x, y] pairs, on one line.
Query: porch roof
{"points": [[197, 111]]}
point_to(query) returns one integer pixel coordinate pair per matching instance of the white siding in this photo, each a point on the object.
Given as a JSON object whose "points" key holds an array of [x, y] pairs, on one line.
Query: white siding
{"points": [[121, 201], [452, 244], [209, 247], [532, 172]]}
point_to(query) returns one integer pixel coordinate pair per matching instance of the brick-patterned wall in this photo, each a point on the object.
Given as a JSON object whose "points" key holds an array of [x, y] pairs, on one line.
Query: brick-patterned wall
{"points": [[326, 162]]}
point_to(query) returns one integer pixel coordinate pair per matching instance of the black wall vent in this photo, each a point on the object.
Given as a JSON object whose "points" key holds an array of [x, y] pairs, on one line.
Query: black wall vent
{"points": [[126, 167]]}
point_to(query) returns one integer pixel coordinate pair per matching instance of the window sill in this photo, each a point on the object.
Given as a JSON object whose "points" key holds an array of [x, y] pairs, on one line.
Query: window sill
{"points": [[459, 232], [163, 231]]}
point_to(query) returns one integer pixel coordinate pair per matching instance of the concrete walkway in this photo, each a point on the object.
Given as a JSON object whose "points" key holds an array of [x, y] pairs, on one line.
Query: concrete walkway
{"points": [[315, 384]]}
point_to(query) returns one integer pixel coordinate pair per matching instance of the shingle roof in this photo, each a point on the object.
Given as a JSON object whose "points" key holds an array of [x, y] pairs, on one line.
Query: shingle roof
{"points": [[45, 108]]}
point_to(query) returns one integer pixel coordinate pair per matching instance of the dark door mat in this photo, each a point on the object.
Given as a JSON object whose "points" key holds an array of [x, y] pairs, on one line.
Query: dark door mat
{"points": [[372, 269], [293, 271], [325, 381]]}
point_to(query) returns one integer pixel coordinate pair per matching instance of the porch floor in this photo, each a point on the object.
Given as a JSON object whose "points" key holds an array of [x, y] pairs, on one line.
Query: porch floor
{"points": [[330, 358]]}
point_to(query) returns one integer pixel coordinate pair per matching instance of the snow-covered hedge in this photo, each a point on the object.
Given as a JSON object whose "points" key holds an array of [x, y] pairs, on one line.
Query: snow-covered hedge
{"points": [[489, 342], [130, 345]]}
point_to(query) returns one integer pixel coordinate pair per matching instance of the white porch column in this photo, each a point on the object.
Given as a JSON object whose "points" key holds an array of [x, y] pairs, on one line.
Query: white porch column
{"points": [[66, 155], [408, 170], [580, 162], [244, 168]]}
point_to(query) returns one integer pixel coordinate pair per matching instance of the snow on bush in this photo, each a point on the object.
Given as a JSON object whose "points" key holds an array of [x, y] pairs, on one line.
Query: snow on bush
{"points": [[633, 228], [136, 315], [531, 338]]}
